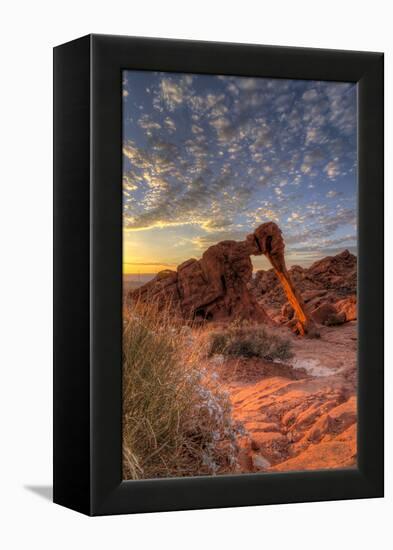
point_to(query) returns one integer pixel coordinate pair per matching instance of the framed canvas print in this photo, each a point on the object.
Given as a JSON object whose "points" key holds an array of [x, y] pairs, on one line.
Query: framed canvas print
{"points": [[218, 275]]}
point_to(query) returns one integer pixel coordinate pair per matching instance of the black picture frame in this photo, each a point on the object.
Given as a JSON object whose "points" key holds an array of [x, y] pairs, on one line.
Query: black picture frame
{"points": [[88, 274]]}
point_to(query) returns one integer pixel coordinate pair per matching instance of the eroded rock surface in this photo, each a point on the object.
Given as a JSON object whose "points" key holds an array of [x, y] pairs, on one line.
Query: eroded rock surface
{"points": [[303, 417], [297, 424]]}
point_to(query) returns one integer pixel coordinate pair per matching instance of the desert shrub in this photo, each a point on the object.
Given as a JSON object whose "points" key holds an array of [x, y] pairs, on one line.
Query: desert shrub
{"points": [[176, 419], [250, 341]]}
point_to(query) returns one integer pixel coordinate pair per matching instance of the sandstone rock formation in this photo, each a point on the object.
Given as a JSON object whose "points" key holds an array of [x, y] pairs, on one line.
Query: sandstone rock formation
{"points": [[296, 424], [300, 417], [328, 289], [327, 314], [348, 307], [218, 286]]}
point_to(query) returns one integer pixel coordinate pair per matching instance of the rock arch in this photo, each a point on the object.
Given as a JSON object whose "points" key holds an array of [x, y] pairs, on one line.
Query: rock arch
{"points": [[217, 287], [267, 240]]}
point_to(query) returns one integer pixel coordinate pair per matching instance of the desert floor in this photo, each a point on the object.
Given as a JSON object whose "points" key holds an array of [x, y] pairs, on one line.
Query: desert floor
{"points": [[302, 414]]}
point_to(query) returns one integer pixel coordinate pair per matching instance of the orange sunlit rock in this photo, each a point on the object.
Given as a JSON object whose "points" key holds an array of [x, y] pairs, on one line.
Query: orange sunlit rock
{"points": [[218, 286]]}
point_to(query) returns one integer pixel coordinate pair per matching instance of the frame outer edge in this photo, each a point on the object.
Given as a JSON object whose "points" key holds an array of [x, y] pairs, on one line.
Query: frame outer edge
{"points": [[109, 494], [371, 276], [71, 317]]}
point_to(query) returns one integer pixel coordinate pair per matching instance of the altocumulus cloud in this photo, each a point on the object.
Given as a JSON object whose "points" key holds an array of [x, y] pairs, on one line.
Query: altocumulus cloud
{"points": [[223, 154]]}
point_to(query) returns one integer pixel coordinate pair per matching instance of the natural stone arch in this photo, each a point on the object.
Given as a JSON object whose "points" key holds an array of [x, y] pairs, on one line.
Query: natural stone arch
{"points": [[267, 240], [217, 287]]}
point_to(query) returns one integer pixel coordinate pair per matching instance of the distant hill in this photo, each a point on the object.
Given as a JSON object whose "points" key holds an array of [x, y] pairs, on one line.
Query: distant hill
{"points": [[135, 280]]}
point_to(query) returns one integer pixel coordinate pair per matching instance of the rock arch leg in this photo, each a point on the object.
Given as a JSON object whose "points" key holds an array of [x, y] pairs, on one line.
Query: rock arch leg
{"points": [[268, 241]]}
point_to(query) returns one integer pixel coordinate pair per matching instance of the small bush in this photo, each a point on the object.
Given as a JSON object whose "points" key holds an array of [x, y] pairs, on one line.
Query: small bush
{"points": [[176, 419], [250, 341]]}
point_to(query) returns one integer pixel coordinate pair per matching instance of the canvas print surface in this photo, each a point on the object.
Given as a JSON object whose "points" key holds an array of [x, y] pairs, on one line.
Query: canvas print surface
{"points": [[239, 275]]}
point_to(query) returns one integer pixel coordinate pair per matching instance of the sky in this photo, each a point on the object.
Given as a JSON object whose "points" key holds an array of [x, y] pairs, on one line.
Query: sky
{"points": [[208, 158]]}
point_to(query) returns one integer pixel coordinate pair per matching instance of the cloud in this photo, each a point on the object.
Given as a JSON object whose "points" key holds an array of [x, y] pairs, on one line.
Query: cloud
{"points": [[295, 217], [172, 93], [322, 225], [332, 169], [262, 214], [203, 242], [331, 194], [328, 244], [306, 168], [173, 193], [146, 123], [195, 129], [217, 155], [247, 83], [170, 124], [310, 95], [129, 183]]}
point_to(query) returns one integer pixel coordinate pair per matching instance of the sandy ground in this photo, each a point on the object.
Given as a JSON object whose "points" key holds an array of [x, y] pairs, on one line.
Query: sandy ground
{"points": [[301, 415]]}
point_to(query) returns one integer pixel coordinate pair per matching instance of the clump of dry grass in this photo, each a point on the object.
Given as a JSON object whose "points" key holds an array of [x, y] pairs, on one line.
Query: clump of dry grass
{"points": [[176, 420], [245, 340]]}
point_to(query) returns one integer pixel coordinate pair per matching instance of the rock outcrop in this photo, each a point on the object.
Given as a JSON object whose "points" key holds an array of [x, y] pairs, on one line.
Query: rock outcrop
{"points": [[304, 424], [328, 290], [218, 286], [299, 416]]}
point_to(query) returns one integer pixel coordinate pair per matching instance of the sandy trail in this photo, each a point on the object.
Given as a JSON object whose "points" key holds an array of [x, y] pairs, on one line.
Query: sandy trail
{"points": [[300, 415]]}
